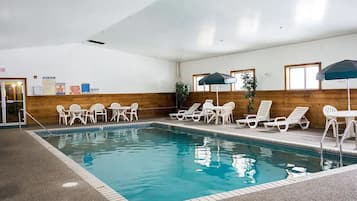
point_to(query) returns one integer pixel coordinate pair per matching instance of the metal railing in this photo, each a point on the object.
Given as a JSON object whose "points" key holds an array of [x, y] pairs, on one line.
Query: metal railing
{"points": [[33, 118], [334, 124]]}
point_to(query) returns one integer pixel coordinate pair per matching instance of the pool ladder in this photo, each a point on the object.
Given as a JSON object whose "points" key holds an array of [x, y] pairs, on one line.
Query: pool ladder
{"points": [[334, 124], [33, 118]]}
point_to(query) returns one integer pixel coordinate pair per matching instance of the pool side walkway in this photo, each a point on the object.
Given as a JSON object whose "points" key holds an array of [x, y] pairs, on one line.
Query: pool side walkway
{"points": [[28, 171], [339, 187]]}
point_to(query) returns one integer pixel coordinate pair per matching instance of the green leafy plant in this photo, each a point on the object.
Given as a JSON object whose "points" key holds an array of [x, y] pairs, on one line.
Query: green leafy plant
{"points": [[250, 84], [182, 92]]}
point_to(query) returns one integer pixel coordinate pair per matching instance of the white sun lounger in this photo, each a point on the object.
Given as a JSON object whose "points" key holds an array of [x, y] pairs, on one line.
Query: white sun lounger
{"points": [[297, 117], [263, 114], [207, 112], [183, 114]]}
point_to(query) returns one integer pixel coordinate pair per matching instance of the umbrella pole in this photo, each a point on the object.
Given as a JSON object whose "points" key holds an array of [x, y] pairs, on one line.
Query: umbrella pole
{"points": [[217, 95], [348, 95]]}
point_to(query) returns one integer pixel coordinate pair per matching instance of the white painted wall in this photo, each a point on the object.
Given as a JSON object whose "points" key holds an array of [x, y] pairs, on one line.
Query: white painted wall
{"points": [[109, 70], [269, 63]]}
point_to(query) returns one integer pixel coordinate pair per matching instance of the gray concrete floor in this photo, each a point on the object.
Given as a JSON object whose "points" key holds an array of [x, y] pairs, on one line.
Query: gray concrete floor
{"points": [[29, 172], [340, 187]]}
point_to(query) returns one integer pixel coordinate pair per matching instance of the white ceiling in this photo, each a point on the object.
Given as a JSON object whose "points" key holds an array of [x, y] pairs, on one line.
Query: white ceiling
{"points": [[175, 29], [28, 23]]}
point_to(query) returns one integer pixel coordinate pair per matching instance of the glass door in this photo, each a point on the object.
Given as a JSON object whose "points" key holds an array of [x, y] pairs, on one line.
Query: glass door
{"points": [[12, 100]]}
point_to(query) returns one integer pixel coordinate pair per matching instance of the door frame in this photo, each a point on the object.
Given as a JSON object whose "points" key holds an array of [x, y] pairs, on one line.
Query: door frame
{"points": [[24, 99]]}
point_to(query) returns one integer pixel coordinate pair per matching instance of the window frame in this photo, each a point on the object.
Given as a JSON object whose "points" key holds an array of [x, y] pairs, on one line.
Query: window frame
{"points": [[241, 71], [286, 67], [194, 84]]}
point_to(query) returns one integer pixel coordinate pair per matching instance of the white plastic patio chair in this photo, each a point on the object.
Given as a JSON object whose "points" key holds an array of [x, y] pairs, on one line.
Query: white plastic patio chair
{"points": [[263, 114], [297, 117], [227, 112], [133, 111], [62, 115], [115, 112], [76, 113], [75, 107], [99, 110], [232, 105], [326, 110], [185, 114], [91, 115]]}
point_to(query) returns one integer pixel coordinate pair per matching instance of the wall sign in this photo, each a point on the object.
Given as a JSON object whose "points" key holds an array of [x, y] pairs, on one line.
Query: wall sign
{"points": [[48, 85], [75, 90], [60, 88], [85, 88]]}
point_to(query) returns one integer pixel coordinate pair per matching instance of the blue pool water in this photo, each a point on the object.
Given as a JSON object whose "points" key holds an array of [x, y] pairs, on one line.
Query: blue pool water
{"points": [[157, 162]]}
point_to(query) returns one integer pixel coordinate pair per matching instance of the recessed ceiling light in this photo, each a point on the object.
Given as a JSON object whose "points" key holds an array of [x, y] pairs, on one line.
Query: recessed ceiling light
{"points": [[206, 35], [308, 11], [248, 25]]}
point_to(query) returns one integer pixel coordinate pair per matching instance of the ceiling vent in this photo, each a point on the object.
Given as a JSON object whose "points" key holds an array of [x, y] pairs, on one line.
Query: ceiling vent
{"points": [[97, 42]]}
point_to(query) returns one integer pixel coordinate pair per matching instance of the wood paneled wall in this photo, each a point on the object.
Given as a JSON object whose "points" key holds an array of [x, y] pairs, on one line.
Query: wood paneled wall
{"points": [[160, 104], [43, 108], [284, 102]]}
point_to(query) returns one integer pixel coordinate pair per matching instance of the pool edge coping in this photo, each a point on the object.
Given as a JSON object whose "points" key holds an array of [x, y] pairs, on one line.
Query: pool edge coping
{"points": [[101, 187], [112, 195], [262, 138]]}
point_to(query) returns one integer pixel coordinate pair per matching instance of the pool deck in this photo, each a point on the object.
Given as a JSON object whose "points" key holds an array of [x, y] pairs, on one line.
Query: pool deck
{"points": [[28, 171]]}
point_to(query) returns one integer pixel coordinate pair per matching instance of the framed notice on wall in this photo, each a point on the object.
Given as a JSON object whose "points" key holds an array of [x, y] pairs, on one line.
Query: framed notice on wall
{"points": [[48, 85], [60, 88], [37, 90], [85, 88], [75, 90]]}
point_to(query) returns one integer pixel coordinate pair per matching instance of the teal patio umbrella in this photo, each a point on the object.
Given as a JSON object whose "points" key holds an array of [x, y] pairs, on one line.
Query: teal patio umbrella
{"points": [[345, 69], [217, 78]]}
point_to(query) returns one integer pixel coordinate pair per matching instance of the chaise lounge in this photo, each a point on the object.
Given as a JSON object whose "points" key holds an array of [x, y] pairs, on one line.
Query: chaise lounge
{"points": [[297, 117], [183, 114], [263, 114]]}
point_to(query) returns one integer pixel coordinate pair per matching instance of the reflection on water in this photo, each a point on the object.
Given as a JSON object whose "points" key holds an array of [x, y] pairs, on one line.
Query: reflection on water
{"points": [[203, 153], [88, 159], [244, 166], [157, 162], [96, 137]]}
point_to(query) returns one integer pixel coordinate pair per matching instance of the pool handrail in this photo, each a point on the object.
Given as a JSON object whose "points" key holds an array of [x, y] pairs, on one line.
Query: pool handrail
{"points": [[33, 118]]}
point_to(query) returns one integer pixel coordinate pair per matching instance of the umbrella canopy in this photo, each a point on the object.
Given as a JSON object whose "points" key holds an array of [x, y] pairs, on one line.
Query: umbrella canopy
{"points": [[341, 70], [345, 69], [217, 78]]}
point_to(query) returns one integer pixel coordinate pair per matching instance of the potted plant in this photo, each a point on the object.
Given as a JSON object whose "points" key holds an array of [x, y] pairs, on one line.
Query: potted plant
{"points": [[250, 84], [182, 92]]}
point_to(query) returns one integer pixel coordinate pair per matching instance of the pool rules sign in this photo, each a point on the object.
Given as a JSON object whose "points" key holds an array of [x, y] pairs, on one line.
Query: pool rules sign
{"points": [[48, 85]]}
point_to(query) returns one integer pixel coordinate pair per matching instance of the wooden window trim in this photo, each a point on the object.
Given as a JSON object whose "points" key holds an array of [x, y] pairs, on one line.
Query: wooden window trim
{"points": [[240, 71], [194, 84], [286, 67]]}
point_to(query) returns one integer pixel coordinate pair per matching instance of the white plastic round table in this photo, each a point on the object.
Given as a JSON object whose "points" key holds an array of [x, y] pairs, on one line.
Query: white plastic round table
{"points": [[349, 115]]}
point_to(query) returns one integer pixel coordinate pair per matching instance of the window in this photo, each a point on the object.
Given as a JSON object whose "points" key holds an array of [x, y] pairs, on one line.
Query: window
{"points": [[238, 74], [302, 76], [196, 86]]}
